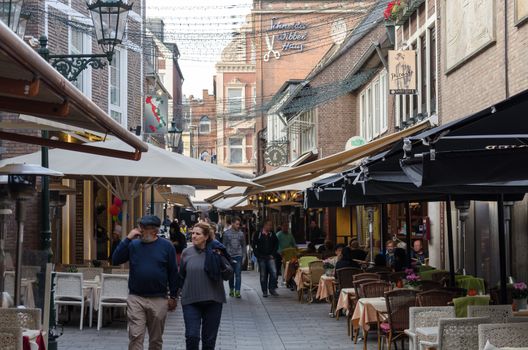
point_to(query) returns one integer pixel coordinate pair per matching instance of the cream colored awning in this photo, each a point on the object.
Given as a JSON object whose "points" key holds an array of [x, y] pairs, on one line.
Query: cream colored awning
{"points": [[322, 166], [30, 85]]}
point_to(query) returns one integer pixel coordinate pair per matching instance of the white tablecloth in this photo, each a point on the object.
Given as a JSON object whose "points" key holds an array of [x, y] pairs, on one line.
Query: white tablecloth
{"points": [[92, 289]]}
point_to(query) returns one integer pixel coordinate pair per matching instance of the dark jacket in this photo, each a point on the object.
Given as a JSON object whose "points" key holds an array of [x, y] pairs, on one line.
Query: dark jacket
{"points": [[178, 241], [213, 260], [265, 246]]}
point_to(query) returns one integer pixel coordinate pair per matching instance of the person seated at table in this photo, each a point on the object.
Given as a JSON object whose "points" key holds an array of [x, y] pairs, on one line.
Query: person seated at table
{"points": [[311, 248], [380, 265], [418, 255], [337, 254], [389, 253], [327, 249], [400, 260], [346, 259], [356, 252]]}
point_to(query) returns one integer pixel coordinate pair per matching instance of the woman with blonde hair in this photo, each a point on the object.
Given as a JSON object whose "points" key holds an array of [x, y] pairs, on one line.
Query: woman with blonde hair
{"points": [[202, 286]]}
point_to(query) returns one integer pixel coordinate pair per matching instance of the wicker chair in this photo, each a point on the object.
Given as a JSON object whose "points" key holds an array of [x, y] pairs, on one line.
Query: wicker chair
{"points": [[430, 285], [457, 333], [305, 260], [425, 317], [374, 289], [344, 279], [435, 297], [399, 302], [11, 338], [358, 283], [503, 335], [69, 291], [23, 318], [114, 293], [90, 273], [385, 275], [366, 275], [310, 286], [496, 313]]}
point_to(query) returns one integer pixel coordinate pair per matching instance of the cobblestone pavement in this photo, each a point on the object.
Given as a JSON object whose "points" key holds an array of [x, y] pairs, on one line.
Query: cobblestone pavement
{"points": [[251, 323]]}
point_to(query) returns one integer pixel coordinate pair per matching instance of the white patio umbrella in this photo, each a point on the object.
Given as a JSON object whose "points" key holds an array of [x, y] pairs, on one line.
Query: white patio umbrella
{"points": [[126, 178]]}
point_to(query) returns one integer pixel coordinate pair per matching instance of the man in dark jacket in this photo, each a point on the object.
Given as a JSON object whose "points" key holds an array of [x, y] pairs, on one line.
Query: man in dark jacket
{"points": [[265, 245]]}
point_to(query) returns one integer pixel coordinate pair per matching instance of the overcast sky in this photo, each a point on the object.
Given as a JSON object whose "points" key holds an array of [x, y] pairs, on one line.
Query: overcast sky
{"points": [[201, 29]]}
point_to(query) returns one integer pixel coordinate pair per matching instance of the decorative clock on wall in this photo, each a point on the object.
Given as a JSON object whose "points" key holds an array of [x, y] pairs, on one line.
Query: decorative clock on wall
{"points": [[275, 155]]}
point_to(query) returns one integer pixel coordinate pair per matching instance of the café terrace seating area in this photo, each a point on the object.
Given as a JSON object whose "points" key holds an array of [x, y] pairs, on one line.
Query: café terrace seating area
{"points": [[415, 309]]}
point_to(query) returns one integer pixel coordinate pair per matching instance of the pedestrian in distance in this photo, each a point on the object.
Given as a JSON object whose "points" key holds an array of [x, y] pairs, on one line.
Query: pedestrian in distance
{"points": [[235, 243], [201, 281], [178, 239], [285, 240], [153, 271], [265, 245]]}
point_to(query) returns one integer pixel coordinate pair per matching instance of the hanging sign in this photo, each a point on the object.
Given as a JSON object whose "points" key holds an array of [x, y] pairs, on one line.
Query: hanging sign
{"points": [[402, 72], [275, 155], [156, 114]]}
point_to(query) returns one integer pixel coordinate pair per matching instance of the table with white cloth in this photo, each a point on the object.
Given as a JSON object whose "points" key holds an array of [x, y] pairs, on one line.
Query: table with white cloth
{"points": [[26, 290], [346, 295], [326, 288], [429, 334], [366, 313], [92, 291], [301, 275]]}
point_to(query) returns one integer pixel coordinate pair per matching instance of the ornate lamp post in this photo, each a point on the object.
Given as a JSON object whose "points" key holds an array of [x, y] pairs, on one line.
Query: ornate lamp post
{"points": [[10, 11], [174, 136]]}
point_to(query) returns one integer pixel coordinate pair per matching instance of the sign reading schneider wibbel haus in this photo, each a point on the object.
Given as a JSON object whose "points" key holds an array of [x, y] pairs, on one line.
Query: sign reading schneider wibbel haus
{"points": [[288, 36]]}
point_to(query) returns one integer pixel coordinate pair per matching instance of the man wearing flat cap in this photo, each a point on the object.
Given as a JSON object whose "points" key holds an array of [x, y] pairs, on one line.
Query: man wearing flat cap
{"points": [[151, 282]]}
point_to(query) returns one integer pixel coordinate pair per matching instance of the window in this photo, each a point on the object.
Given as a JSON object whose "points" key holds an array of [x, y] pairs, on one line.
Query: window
{"points": [[424, 102], [234, 101], [254, 96], [373, 108], [307, 134], [80, 43], [205, 125], [235, 150], [117, 87]]}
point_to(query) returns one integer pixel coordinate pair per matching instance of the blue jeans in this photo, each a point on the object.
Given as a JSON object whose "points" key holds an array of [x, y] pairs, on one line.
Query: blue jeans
{"points": [[236, 280], [268, 274], [205, 315]]}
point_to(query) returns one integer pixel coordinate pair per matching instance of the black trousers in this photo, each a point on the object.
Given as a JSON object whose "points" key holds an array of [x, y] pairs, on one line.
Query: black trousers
{"points": [[205, 315]]}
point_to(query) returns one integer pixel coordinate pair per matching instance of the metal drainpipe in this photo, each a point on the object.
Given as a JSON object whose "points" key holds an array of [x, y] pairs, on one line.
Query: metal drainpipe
{"points": [[506, 62]]}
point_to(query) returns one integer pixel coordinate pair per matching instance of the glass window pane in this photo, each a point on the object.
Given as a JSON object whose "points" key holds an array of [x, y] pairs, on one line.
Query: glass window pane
{"points": [[234, 100], [115, 79], [235, 142], [432, 53]]}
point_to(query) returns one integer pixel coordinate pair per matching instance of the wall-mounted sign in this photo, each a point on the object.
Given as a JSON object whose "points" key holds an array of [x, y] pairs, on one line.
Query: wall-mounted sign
{"points": [[287, 36], [275, 155], [402, 72], [156, 114], [354, 142]]}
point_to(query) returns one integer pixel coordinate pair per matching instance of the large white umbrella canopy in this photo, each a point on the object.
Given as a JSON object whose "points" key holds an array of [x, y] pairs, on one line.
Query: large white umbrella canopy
{"points": [[126, 178]]}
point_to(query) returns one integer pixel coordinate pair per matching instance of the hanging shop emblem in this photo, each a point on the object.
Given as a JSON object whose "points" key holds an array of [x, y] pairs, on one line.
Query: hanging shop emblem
{"points": [[275, 155], [402, 72]]}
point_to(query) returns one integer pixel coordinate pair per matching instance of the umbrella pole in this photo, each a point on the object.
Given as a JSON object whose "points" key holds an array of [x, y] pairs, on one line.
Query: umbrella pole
{"points": [[20, 217], [124, 223], [152, 200], [450, 243], [408, 233], [502, 251]]}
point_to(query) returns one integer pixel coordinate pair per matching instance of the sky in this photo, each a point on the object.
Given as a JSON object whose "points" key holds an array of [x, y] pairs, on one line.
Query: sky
{"points": [[201, 29]]}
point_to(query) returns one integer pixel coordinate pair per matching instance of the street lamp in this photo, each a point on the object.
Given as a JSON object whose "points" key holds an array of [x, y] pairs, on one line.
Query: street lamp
{"points": [[10, 11], [174, 136]]}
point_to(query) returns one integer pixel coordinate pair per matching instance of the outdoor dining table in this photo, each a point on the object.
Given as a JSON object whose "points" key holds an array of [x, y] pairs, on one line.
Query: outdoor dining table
{"points": [[429, 334], [301, 275], [326, 288], [366, 312], [345, 300], [92, 289], [289, 271]]}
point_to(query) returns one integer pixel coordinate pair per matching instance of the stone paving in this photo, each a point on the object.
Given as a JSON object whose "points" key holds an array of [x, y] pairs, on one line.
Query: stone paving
{"points": [[251, 323]]}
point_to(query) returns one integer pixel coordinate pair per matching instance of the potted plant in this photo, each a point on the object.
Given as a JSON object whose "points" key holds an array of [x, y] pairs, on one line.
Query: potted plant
{"points": [[412, 279], [329, 266], [519, 294]]}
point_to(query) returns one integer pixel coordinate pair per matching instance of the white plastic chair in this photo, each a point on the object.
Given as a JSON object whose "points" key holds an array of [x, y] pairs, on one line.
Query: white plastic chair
{"points": [[496, 313], [426, 316], [114, 293], [90, 273], [503, 334], [11, 338], [457, 333], [69, 291]]}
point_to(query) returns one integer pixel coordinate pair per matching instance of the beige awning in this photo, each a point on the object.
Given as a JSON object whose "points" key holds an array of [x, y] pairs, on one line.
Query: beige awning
{"points": [[322, 166], [30, 85]]}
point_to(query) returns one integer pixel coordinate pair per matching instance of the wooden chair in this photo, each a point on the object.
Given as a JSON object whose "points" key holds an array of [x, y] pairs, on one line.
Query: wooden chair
{"points": [[305, 260], [375, 289], [435, 297], [399, 302]]}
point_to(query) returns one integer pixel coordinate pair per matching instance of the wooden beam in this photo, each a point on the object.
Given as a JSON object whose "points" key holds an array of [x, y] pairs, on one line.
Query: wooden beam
{"points": [[136, 155], [17, 87], [37, 108]]}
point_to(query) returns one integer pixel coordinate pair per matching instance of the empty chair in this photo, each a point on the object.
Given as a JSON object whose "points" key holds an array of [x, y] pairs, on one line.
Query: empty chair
{"points": [[114, 293], [69, 291], [496, 313], [374, 289], [511, 335], [430, 285], [457, 333], [425, 317], [90, 273], [316, 271], [366, 275], [357, 286], [305, 260], [435, 297], [399, 302], [345, 276]]}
